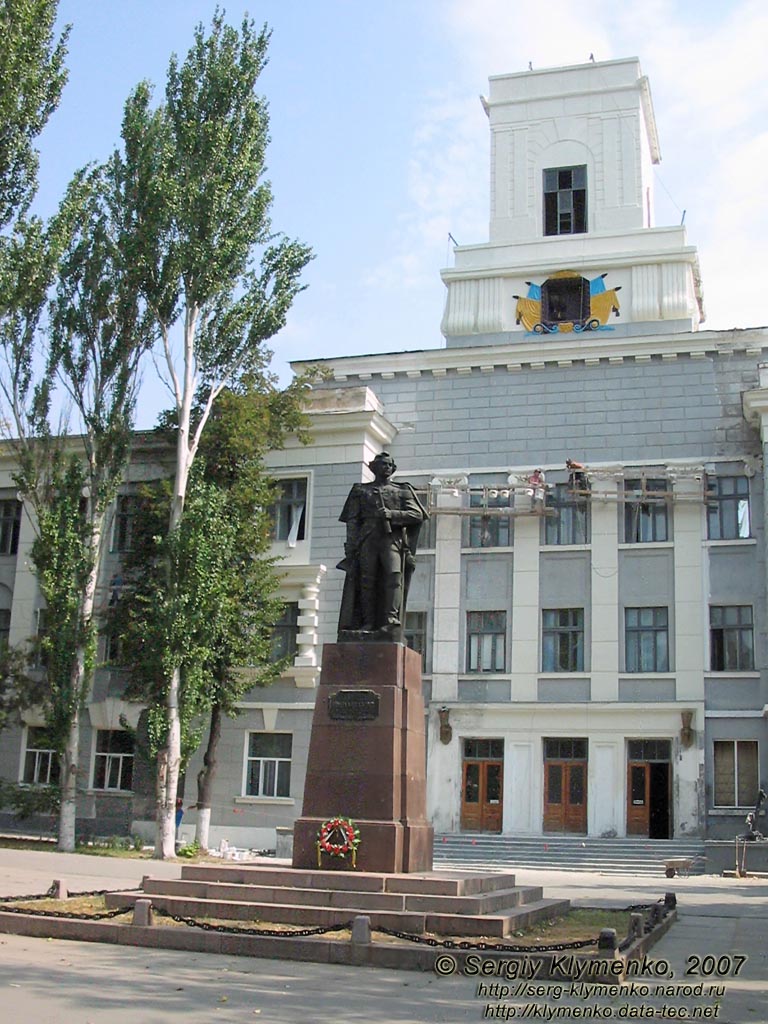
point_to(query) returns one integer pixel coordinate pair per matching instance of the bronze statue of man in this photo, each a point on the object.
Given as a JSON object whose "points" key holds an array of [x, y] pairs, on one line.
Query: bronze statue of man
{"points": [[383, 521]]}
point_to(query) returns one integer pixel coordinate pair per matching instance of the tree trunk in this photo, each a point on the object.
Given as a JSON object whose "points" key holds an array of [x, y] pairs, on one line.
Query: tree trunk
{"points": [[168, 764], [169, 759], [68, 808], [79, 683], [205, 779]]}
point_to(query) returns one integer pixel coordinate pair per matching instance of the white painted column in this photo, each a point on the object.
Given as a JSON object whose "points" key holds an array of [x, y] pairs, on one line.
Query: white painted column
{"points": [[604, 662], [605, 788], [690, 600], [444, 760], [525, 608], [25, 589], [522, 771], [447, 615], [306, 661], [691, 636]]}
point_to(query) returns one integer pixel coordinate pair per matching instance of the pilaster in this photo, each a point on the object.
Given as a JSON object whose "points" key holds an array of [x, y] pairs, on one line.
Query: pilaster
{"points": [[690, 599], [605, 592], [525, 607], [447, 619]]}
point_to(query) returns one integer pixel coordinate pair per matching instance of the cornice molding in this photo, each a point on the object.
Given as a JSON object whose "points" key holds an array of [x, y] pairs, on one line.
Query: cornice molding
{"points": [[591, 349]]}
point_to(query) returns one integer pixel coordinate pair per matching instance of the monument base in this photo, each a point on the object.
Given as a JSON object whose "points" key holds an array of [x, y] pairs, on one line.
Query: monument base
{"points": [[367, 760], [386, 847]]}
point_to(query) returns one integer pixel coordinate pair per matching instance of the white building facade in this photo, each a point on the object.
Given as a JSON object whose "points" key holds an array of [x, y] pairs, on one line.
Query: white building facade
{"points": [[594, 650]]}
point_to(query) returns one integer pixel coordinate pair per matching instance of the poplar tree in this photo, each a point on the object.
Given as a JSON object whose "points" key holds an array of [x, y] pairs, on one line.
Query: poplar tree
{"points": [[215, 277], [90, 348]]}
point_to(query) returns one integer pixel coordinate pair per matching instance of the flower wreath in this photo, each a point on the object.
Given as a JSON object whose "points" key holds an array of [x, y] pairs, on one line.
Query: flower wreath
{"points": [[338, 837]]}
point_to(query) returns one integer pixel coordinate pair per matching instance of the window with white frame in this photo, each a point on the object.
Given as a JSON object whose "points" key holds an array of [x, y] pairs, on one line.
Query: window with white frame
{"points": [[41, 762], [728, 515], [646, 639], [737, 779], [486, 641], [289, 513], [570, 522], [126, 508], [415, 635], [562, 640], [113, 762], [112, 645], [645, 511], [565, 200], [285, 632], [731, 638], [5, 628], [10, 524], [268, 764]]}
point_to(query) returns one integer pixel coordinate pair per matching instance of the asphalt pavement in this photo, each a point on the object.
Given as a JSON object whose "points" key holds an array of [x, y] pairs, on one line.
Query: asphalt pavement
{"points": [[713, 964]]}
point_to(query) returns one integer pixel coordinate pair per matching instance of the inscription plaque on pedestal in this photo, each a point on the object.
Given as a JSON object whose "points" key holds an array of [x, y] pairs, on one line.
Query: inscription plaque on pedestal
{"points": [[353, 706]]}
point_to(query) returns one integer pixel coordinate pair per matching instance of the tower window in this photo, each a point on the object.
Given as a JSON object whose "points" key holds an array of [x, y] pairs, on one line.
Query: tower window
{"points": [[565, 200]]}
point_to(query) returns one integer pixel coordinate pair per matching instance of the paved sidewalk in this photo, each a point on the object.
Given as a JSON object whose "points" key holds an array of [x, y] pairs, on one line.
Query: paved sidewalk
{"points": [[52, 981]]}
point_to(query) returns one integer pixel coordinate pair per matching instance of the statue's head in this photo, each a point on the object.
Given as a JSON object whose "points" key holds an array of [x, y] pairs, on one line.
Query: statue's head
{"points": [[382, 461]]}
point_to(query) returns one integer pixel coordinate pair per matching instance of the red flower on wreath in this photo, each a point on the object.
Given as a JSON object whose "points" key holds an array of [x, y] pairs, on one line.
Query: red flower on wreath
{"points": [[338, 837]]}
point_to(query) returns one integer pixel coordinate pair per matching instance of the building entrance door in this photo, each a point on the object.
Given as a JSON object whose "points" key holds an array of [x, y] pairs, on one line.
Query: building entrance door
{"points": [[482, 786], [565, 786], [649, 784]]}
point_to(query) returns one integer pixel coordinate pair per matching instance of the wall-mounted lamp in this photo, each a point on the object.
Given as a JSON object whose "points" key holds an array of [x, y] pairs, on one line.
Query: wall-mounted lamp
{"points": [[446, 732], [687, 732]]}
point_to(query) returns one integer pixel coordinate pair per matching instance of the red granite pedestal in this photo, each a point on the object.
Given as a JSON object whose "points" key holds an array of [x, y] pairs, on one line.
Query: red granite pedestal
{"points": [[367, 760]]}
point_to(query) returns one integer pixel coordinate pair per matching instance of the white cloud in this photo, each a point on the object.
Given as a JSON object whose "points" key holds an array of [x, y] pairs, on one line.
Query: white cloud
{"points": [[447, 191]]}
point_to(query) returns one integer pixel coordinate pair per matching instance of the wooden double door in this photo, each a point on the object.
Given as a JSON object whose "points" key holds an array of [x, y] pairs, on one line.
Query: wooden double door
{"points": [[481, 801], [565, 796]]}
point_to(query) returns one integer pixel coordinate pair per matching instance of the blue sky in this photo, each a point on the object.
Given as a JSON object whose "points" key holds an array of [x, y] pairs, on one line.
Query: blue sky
{"points": [[380, 146]]}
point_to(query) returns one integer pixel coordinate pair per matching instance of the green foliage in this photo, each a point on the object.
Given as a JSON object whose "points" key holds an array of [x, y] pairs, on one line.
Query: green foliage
{"points": [[189, 850], [199, 597], [32, 75], [19, 688], [64, 560], [99, 329], [26, 801], [194, 198]]}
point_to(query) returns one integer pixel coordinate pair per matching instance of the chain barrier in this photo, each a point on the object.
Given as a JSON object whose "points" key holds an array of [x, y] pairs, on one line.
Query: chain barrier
{"points": [[34, 896], [70, 915], [206, 926], [504, 947]]}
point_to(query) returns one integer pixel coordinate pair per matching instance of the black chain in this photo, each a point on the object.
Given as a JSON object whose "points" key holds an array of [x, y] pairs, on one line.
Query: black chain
{"points": [[500, 946], [69, 914], [206, 926], [35, 896], [51, 894]]}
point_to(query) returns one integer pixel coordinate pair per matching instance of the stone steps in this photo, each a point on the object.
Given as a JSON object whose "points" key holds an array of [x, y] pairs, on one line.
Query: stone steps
{"points": [[636, 856], [448, 903], [224, 892], [442, 883]]}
